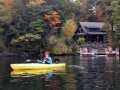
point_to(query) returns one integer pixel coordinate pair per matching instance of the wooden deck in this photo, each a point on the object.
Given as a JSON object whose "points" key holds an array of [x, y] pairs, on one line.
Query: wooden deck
{"points": [[99, 53]]}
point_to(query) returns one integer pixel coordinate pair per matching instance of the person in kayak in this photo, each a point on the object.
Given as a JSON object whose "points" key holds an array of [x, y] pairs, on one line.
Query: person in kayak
{"points": [[47, 59]]}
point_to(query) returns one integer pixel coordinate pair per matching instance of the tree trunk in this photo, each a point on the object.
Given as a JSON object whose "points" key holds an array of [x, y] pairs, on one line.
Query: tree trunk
{"points": [[112, 27]]}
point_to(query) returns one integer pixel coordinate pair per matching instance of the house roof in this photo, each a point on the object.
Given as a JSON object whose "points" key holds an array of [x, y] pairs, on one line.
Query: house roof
{"points": [[80, 34], [94, 33], [86, 25]]}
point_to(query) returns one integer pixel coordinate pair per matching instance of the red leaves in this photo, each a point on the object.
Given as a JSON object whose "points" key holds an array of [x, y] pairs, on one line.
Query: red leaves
{"points": [[9, 4], [52, 20], [84, 6], [99, 11]]}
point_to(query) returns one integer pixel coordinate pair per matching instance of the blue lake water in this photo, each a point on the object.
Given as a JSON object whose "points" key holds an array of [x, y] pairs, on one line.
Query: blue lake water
{"points": [[81, 73]]}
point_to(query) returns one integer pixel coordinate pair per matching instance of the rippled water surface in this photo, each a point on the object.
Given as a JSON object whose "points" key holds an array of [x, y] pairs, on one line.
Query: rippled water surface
{"points": [[81, 73]]}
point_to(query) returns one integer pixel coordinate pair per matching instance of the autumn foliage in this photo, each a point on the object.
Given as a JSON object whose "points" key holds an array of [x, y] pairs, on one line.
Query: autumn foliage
{"points": [[52, 20], [111, 39], [99, 11], [36, 1], [69, 29], [9, 4], [84, 6], [26, 38]]}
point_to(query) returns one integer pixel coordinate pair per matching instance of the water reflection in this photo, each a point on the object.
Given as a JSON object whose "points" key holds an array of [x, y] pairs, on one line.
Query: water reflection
{"points": [[36, 79], [4, 72], [35, 72], [52, 81], [81, 73], [99, 73]]}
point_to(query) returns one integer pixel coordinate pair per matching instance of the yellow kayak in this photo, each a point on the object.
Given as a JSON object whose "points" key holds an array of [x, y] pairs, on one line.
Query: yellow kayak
{"points": [[15, 72], [29, 66], [33, 72]]}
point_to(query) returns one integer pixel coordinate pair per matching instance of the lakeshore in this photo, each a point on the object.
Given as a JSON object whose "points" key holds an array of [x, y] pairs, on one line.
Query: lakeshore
{"points": [[99, 53], [67, 54]]}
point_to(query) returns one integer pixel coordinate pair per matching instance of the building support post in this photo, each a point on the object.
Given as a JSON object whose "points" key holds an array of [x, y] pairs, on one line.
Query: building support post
{"points": [[87, 38], [103, 38], [97, 38], [90, 38]]}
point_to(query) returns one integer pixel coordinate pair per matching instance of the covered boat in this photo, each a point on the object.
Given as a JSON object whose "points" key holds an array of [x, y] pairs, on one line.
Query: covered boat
{"points": [[29, 66]]}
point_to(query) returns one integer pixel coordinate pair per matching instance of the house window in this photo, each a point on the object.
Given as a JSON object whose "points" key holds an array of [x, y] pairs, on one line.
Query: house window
{"points": [[94, 29], [81, 31], [78, 31]]}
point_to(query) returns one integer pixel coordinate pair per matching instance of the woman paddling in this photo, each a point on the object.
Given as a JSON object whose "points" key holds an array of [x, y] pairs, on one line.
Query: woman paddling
{"points": [[47, 59]]}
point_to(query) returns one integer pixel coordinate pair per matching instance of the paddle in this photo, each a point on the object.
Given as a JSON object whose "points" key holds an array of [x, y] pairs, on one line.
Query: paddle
{"points": [[28, 60], [55, 60]]}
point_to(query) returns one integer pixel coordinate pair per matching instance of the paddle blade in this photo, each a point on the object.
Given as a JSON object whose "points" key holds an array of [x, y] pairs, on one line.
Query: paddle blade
{"points": [[56, 60], [28, 60]]}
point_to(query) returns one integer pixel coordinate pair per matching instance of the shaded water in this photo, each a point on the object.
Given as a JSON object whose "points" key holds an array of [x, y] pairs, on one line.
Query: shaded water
{"points": [[82, 73]]}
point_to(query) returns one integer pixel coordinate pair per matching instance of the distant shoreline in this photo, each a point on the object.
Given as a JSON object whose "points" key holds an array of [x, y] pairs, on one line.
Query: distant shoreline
{"points": [[26, 55]]}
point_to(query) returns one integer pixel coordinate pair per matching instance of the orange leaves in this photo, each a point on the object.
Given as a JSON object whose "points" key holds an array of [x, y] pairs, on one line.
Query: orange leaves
{"points": [[87, 16], [84, 6], [111, 42], [54, 13], [5, 11], [9, 4], [111, 39], [99, 11], [52, 20], [47, 17]]}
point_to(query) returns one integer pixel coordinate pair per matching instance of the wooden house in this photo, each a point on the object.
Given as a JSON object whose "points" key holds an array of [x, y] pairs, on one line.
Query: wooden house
{"points": [[91, 32]]}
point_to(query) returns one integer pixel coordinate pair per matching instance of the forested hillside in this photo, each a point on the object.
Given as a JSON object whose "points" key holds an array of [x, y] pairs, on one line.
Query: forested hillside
{"points": [[39, 25]]}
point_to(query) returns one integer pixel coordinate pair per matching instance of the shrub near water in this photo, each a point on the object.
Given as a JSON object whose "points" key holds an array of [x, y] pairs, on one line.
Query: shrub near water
{"points": [[60, 48], [52, 40], [81, 41], [58, 45]]}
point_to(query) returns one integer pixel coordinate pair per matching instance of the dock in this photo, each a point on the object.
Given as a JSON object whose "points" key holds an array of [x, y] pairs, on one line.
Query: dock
{"points": [[99, 53]]}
